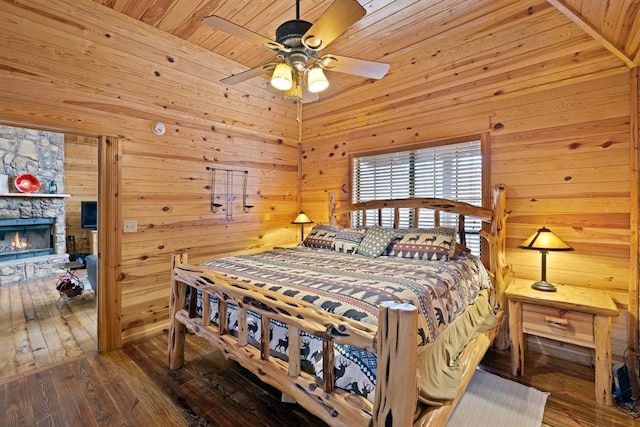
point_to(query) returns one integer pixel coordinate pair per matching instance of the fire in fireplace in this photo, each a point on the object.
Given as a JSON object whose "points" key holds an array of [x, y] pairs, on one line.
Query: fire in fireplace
{"points": [[25, 238]]}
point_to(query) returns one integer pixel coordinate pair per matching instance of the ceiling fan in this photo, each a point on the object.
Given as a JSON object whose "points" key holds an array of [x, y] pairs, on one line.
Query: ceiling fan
{"points": [[298, 69]]}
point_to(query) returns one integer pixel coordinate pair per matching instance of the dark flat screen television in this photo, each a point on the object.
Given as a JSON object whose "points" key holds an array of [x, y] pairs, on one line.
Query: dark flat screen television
{"points": [[89, 215]]}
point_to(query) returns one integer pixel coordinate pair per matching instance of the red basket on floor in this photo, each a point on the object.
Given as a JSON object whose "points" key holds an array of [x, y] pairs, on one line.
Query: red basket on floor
{"points": [[69, 287]]}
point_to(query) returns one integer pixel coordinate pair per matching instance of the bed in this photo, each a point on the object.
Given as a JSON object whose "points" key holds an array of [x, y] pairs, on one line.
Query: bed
{"points": [[300, 318]]}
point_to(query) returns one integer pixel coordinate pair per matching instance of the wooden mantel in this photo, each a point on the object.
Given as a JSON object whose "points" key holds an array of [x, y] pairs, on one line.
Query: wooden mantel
{"points": [[36, 195]]}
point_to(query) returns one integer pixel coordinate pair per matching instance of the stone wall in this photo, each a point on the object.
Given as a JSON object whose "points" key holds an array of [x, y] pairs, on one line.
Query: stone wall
{"points": [[39, 153]]}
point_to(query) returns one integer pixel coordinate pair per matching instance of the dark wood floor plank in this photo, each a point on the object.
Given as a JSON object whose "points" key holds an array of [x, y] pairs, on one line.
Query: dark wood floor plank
{"points": [[44, 399], [17, 406], [153, 398], [72, 401], [100, 405], [118, 388]]}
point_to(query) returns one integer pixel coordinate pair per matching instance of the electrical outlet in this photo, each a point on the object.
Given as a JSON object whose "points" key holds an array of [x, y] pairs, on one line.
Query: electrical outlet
{"points": [[130, 226]]}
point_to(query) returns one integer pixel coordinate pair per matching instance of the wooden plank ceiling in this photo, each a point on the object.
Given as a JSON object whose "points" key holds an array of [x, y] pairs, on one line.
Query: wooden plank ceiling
{"points": [[436, 48]]}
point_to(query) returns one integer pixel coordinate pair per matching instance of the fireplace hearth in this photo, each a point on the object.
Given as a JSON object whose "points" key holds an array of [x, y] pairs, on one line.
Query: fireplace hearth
{"points": [[26, 238]]}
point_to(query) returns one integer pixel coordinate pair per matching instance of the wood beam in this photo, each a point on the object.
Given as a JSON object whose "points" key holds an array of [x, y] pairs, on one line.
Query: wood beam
{"points": [[110, 244], [634, 295], [577, 19]]}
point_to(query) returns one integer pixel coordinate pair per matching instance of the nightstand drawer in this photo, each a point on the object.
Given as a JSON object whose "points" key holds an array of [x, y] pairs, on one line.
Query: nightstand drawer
{"points": [[567, 326]]}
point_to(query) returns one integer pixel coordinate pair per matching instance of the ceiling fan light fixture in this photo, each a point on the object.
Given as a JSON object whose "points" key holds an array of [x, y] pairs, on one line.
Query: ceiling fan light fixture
{"points": [[294, 93], [282, 78], [317, 81]]}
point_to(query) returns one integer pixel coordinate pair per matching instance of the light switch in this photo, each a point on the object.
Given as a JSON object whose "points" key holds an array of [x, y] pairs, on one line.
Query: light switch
{"points": [[130, 226]]}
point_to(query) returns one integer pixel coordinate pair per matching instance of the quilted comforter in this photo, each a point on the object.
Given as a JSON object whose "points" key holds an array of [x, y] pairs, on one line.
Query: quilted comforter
{"points": [[354, 286]]}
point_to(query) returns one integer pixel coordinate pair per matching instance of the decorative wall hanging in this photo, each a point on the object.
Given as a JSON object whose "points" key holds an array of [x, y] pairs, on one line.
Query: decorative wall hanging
{"points": [[228, 195]]}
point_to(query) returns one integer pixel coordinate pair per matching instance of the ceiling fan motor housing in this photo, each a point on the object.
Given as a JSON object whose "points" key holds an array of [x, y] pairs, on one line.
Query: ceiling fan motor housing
{"points": [[290, 33]]}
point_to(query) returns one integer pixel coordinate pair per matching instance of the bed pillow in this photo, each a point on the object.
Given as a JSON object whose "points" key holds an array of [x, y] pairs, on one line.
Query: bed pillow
{"points": [[459, 251], [436, 244], [348, 240], [321, 237], [375, 241]]}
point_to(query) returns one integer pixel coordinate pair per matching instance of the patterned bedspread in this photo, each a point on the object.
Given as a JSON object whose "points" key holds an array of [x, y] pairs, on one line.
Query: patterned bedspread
{"points": [[354, 285]]}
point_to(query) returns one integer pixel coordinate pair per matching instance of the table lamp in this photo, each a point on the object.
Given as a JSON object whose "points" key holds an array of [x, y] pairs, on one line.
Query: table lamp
{"points": [[302, 219], [544, 241]]}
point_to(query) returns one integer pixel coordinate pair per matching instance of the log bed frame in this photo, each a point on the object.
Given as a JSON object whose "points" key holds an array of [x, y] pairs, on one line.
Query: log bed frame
{"points": [[396, 385]]}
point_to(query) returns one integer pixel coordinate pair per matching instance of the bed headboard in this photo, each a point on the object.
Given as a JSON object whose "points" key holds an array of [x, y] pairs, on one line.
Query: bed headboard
{"points": [[494, 232]]}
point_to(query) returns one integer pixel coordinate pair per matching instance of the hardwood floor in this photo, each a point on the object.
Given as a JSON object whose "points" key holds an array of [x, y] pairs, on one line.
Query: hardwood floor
{"points": [[571, 402], [69, 384], [37, 329], [133, 387]]}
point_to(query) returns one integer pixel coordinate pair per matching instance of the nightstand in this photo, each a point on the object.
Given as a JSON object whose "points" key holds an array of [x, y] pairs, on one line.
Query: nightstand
{"points": [[575, 315]]}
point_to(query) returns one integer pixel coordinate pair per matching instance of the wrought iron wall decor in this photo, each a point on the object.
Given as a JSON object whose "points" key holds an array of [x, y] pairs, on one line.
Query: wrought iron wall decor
{"points": [[228, 195]]}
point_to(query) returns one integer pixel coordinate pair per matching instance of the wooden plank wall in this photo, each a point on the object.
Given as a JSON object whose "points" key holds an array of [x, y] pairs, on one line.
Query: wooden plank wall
{"points": [[564, 155], [81, 182], [81, 67]]}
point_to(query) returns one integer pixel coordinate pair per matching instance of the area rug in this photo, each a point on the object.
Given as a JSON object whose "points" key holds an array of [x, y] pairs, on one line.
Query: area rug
{"points": [[492, 401]]}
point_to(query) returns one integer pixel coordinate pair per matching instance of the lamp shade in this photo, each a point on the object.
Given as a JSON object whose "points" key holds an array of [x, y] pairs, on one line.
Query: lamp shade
{"points": [[302, 218], [282, 77], [545, 240], [317, 81]]}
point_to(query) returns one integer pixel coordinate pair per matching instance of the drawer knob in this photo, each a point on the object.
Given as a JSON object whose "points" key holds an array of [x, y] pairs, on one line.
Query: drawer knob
{"points": [[556, 322]]}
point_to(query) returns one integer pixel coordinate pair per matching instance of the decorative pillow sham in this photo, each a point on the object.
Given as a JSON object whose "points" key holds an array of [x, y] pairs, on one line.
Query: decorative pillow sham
{"points": [[436, 244], [348, 240], [375, 242], [321, 237]]}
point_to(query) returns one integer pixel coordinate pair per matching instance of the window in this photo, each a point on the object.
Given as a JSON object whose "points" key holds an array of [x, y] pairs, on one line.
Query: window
{"points": [[452, 171]]}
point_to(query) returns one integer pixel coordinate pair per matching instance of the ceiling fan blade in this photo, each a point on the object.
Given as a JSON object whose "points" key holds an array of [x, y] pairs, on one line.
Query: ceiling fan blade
{"points": [[236, 30], [357, 67], [249, 74], [336, 19], [307, 96]]}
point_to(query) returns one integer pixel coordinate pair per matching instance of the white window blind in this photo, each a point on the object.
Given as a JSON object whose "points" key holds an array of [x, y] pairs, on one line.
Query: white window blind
{"points": [[451, 171]]}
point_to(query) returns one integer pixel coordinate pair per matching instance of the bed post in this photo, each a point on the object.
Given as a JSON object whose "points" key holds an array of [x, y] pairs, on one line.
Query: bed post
{"points": [[397, 348], [333, 220], [499, 267], [498, 230], [177, 299]]}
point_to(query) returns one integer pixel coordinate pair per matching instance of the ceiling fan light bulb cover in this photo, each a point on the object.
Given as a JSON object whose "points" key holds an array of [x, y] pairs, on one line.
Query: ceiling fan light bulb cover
{"points": [[294, 93], [282, 77], [317, 80]]}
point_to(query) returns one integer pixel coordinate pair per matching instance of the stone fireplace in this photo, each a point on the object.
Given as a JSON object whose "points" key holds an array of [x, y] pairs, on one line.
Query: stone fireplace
{"points": [[38, 219]]}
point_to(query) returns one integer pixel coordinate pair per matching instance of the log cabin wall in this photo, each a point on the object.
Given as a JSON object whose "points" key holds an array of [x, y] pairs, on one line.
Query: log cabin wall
{"points": [[564, 154], [83, 68], [81, 183]]}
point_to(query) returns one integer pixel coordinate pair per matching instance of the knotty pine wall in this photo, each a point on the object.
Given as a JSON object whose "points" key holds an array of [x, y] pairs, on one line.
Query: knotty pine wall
{"points": [[79, 67], [564, 154], [81, 183]]}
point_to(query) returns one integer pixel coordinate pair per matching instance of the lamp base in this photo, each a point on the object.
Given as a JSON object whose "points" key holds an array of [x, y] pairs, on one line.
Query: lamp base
{"points": [[544, 286]]}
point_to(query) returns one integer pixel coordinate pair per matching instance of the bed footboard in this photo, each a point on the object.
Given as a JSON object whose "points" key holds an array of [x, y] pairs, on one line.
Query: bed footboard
{"points": [[396, 387]]}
